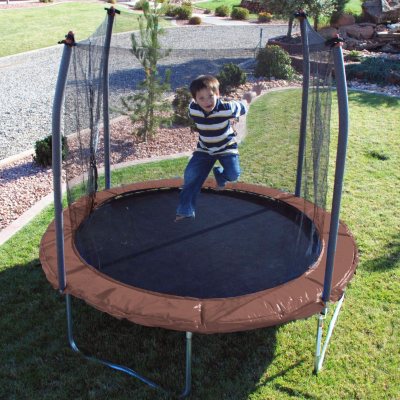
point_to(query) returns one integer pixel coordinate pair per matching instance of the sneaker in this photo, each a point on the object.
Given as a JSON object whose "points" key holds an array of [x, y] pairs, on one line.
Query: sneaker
{"points": [[218, 188], [179, 218], [216, 173]]}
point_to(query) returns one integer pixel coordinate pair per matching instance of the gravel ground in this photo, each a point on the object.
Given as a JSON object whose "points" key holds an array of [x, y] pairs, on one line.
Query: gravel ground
{"points": [[27, 80]]}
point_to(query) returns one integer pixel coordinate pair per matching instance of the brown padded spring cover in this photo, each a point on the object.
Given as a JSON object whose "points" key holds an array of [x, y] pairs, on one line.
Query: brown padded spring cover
{"points": [[298, 298]]}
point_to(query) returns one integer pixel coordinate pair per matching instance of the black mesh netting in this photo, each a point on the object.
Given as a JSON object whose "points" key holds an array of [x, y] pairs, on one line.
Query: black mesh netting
{"points": [[269, 157]]}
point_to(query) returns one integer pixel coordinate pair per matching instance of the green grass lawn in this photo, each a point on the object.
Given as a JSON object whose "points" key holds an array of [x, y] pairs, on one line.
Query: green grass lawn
{"points": [[34, 28], [213, 4], [275, 363]]}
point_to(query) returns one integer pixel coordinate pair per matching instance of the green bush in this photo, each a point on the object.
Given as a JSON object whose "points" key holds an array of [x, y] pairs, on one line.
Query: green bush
{"points": [[112, 1], [45, 1], [273, 61], [375, 70], [230, 76], [183, 12], [222, 11], [240, 13], [264, 17], [195, 20], [43, 151], [170, 10], [140, 4], [207, 11], [353, 55], [180, 104]]}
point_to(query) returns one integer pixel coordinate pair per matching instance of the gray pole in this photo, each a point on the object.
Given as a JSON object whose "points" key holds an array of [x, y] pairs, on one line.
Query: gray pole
{"points": [[304, 103], [57, 155], [106, 116], [340, 166]]}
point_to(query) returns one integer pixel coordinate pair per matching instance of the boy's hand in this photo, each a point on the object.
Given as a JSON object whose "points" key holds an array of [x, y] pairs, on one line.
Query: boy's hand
{"points": [[249, 96]]}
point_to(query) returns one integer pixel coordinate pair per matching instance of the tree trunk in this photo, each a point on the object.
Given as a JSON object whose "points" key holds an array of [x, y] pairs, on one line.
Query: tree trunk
{"points": [[290, 27], [316, 21]]}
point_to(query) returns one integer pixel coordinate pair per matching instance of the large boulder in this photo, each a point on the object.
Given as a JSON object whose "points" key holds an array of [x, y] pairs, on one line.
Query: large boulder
{"points": [[380, 11], [343, 20], [358, 31]]}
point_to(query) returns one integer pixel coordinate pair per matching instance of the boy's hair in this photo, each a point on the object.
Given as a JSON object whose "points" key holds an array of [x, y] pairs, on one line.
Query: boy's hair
{"points": [[204, 82]]}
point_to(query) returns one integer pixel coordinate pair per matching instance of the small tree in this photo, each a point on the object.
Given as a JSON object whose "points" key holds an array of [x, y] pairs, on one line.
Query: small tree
{"points": [[315, 8], [285, 9], [149, 104], [180, 104], [320, 8]]}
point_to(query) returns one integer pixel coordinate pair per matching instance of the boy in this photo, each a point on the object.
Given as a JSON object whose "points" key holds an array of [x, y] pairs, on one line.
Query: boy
{"points": [[217, 141]]}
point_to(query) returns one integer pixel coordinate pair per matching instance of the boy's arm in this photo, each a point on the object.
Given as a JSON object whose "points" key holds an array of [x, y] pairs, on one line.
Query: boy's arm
{"points": [[238, 108]]}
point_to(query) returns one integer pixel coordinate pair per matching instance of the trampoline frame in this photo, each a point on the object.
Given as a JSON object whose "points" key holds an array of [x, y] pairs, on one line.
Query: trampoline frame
{"points": [[321, 346]]}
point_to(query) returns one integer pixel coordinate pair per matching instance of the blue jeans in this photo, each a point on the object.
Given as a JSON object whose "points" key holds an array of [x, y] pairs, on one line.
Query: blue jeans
{"points": [[196, 173]]}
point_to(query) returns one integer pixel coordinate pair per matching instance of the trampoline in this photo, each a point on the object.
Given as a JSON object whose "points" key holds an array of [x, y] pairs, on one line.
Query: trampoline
{"points": [[252, 258]]}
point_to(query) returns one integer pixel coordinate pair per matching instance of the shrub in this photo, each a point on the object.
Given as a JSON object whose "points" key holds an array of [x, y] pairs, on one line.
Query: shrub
{"points": [[375, 70], [264, 17], [240, 13], [273, 61], [353, 55], [45, 1], [230, 76], [207, 11], [170, 10], [222, 11], [43, 151], [183, 12], [195, 21], [140, 4], [180, 104], [187, 4], [112, 1]]}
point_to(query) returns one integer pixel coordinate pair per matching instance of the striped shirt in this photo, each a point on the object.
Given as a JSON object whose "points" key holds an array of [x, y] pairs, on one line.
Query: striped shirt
{"points": [[216, 135]]}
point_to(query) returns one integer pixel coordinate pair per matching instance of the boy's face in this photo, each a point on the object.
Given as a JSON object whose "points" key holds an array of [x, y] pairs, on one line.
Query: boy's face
{"points": [[206, 99]]}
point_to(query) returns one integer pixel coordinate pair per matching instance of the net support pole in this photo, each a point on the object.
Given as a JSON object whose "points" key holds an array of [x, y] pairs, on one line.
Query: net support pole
{"points": [[343, 109], [106, 115], [304, 102], [336, 201], [69, 42]]}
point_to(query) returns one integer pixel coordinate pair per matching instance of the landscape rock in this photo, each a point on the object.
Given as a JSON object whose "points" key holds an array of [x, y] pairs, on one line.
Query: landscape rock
{"points": [[359, 32], [343, 20]]}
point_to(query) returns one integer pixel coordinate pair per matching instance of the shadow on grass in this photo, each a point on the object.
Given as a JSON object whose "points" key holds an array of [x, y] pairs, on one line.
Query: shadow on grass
{"points": [[373, 99], [38, 364], [388, 260], [294, 393]]}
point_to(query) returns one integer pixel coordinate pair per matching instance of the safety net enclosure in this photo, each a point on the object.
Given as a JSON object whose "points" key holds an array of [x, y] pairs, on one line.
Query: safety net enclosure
{"points": [[264, 251]]}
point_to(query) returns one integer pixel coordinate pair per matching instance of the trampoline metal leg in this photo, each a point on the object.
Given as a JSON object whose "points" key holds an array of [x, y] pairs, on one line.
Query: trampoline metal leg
{"points": [[188, 366], [321, 349]]}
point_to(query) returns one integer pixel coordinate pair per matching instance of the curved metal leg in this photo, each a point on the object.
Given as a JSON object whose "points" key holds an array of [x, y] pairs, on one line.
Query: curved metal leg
{"points": [[129, 371]]}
